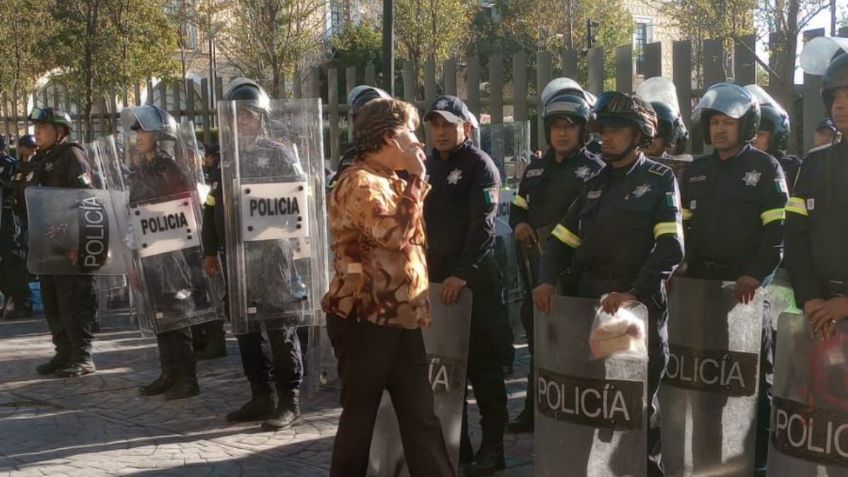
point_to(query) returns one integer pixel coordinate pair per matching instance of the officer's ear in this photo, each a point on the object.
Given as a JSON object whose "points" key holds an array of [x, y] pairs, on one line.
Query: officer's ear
{"points": [[466, 128]]}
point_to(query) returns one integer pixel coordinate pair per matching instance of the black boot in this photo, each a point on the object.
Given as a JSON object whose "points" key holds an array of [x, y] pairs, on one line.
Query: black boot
{"points": [[75, 370], [185, 382], [215, 343], [488, 460], [162, 384], [287, 412], [260, 406], [523, 423], [56, 363]]}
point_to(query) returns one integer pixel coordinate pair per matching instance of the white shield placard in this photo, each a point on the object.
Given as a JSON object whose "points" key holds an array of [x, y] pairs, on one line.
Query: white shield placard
{"points": [[274, 211], [163, 227]]}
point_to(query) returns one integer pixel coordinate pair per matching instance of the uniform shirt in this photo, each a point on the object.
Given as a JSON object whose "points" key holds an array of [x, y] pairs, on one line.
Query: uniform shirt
{"points": [[378, 251], [791, 165], [63, 165], [460, 211], [23, 178], [734, 212], [212, 233], [625, 225], [157, 178], [8, 170], [817, 225], [548, 188]]}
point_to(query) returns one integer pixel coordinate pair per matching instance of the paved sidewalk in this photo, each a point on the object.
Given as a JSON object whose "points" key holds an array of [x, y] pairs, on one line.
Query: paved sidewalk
{"points": [[98, 425]]}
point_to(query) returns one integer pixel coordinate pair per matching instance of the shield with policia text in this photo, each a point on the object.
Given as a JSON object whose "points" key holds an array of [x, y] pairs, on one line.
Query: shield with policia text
{"points": [[76, 232], [708, 397], [446, 344], [809, 425], [163, 184], [273, 182], [591, 414]]}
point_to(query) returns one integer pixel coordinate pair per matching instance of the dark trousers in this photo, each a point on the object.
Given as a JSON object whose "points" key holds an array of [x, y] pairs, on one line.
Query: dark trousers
{"points": [[372, 358], [176, 353], [14, 277], [70, 306], [485, 357], [273, 355], [591, 287]]}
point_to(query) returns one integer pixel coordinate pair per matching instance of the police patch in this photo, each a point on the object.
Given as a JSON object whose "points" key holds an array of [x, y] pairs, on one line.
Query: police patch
{"points": [[672, 200], [641, 190], [582, 172], [780, 185], [593, 194], [811, 204], [490, 195], [752, 178], [535, 172], [697, 178]]}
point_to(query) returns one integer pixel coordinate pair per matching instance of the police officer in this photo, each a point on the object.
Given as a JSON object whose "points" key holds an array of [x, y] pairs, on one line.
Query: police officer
{"points": [[358, 97], [209, 338], [816, 225], [270, 355], [622, 236], [14, 278], [547, 189], [669, 145], [70, 301], [459, 214], [773, 136], [734, 201], [155, 175]]}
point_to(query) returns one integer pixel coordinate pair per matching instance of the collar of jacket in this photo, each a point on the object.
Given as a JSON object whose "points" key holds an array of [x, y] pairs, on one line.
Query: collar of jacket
{"points": [[459, 149]]}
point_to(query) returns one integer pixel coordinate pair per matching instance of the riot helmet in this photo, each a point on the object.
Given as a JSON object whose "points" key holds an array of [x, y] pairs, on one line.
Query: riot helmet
{"points": [[773, 118], [150, 118], [52, 116], [249, 93], [619, 109], [362, 95], [733, 101], [27, 140], [835, 77], [565, 98]]}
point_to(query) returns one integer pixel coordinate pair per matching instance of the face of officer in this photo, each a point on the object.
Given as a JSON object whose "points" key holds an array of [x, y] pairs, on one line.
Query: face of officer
{"points": [[724, 133], [617, 143], [565, 137], [762, 140], [448, 136], [839, 111], [25, 153], [656, 148], [46, 135], [249, 122], [145, 142]]}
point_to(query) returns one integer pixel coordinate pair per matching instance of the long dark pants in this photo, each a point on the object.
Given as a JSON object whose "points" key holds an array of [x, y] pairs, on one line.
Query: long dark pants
{"points": [[70, 306], [372, 358], [273, 355], [176, 352]]}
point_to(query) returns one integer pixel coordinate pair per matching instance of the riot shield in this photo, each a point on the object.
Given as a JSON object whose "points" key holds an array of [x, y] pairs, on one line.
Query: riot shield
{"points": [[76, 232], [781, 297], [708, 397], [273, 183], [508, 145], [809, 425], [818, 52], [165, 211], [659, 89], [446, 344], [591, 415]]}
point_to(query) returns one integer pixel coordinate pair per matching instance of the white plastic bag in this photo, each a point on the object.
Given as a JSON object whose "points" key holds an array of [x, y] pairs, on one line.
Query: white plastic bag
{"points": [[621, 334]]}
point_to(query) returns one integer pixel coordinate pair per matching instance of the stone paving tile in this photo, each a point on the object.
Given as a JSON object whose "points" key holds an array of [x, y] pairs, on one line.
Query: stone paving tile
{"points": [[98, 425]]}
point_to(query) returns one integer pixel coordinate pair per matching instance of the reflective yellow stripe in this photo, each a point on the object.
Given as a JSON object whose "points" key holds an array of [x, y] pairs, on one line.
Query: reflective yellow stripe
{"points": [[770, 216], [668, 228], [210, 200], [687, 214], [519, 201], [797, 205], [565, 236]]}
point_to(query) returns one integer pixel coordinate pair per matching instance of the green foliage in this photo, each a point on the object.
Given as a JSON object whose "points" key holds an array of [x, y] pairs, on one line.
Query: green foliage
{"points": [[432, 30], [357, 46], [24, 22]]}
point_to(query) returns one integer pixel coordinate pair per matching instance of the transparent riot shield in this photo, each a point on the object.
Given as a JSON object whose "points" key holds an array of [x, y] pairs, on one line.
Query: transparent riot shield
{"points": [[165, 223], [809, 425], [76, 231], [446, 344], [273, 182], [780, 295], [591, 415], [708, 397], [508, 144], [818, 52]]}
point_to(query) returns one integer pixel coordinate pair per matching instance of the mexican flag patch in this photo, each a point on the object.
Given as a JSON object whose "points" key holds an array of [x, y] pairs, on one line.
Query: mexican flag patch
{"points": [[490, 195]]}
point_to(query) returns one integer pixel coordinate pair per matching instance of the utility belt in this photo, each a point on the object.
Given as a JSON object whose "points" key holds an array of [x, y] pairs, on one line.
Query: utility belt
{"points": [[835, 288]]}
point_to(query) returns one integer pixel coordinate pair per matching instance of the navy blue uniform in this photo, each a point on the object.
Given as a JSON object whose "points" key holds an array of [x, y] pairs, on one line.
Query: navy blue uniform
{"points": [[70, 301], [545, 193], [816, 226], [734, 211], [459, 213], [14, 278], [624, 234]]}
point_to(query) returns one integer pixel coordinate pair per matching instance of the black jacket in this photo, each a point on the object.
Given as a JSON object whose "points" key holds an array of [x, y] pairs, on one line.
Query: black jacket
{"points": [[63, 165], [734, 212], [549, 187], [460, 210], [817, 225], [624, 228]]}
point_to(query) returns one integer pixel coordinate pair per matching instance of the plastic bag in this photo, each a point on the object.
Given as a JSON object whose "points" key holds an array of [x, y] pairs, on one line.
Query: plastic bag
{"points": [[621, 334]]}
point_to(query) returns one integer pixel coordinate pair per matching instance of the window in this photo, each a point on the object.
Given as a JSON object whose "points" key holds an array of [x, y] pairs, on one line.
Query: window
{"points": [[642, 35], [336, 19]]}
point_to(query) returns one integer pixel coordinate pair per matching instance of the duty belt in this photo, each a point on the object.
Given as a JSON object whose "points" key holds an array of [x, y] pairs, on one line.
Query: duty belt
{"points": [[836, 288]]}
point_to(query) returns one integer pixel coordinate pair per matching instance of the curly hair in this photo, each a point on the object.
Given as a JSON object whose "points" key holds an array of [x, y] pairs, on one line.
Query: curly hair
{"points": [[378, 117]]}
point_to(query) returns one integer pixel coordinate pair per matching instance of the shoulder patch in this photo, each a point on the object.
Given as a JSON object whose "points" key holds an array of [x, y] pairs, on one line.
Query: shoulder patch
{"points": [[659, 169], [536, 172]]}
